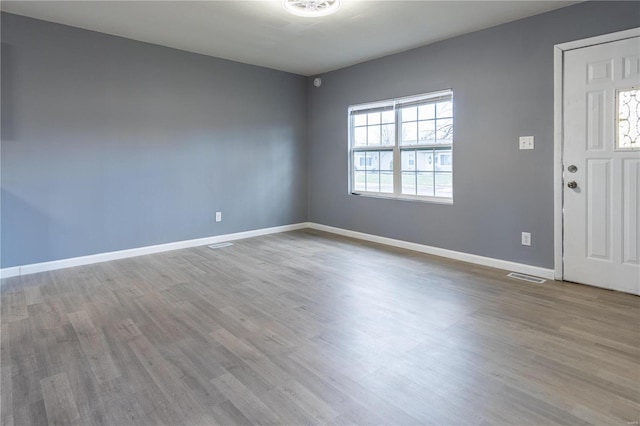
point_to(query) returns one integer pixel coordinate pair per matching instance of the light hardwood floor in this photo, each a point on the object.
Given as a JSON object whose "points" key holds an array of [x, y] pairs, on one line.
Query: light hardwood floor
{"points": [[307, 328]]}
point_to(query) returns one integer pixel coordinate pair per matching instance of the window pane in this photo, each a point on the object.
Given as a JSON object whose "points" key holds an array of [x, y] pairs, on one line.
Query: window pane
{"points": [[358, 181], [386, 160], [409, 133], [388, 116], [374, 135], [359, 161], [408, 160], [427, 131], [409, 183], [444, 161], [373, 159], [426, 112], [444, 187], [360, 136], [425, 160], [386, 182], [409, 114], [425, 184], [388, 134], [373, 182], [373, 118], [444, 109], [444, 131], [360, 120], [629, 119]]}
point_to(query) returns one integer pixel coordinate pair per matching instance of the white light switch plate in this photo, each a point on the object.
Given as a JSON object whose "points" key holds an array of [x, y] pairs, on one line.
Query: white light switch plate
{"points": [[526, 142]]}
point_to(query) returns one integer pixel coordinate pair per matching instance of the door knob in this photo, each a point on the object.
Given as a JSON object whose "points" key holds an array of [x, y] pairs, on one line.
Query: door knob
{"points": [[572, 184]]}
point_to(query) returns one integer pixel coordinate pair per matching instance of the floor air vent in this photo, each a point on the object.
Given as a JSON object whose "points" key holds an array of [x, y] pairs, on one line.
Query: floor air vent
{"points": [[524, 277], [220, 245]]}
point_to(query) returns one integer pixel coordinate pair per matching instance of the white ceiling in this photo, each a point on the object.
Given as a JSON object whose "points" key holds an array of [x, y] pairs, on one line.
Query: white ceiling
{"points": [[262, 33]]}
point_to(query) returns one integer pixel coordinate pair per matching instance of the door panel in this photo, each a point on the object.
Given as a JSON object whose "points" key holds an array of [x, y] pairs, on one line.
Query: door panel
{"points": [[632, 67], [598, 196], [601, 231], [596, 111], [631, 207]]}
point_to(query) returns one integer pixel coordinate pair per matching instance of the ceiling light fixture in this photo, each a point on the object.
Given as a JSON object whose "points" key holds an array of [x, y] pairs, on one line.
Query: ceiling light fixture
{"points": [[311, 8]]}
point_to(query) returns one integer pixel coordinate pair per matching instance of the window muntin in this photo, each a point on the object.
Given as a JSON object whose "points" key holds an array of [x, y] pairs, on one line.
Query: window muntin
{"points": [[374, 128], [402, 148], [430, 174], [430, 123], [373, 171]]}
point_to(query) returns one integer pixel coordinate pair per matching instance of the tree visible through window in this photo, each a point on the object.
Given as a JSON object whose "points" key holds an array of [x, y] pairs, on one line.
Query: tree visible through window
{"points": [[402, 148]]}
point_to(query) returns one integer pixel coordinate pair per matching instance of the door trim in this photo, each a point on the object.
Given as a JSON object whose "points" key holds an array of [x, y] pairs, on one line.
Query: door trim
{"points": [[558, 115]]}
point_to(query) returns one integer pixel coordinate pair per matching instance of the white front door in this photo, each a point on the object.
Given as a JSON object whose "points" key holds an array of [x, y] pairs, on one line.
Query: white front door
{"points": [[601, 165]]}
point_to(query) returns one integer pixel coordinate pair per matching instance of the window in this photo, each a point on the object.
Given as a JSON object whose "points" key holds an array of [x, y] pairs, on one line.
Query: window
{"points": [[628, 134], [403, 148]]}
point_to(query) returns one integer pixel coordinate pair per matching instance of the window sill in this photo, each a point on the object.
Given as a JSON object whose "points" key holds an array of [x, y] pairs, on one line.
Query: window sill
{"points": [[421, 199]]}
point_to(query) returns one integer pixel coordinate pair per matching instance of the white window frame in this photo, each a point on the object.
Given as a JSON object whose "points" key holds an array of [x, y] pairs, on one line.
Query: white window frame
{"points": [[396, 105]]}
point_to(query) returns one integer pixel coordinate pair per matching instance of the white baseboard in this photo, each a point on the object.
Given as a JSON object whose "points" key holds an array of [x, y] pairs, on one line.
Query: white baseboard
{"points": [[14, 271], [436, 251], [122, 254]]}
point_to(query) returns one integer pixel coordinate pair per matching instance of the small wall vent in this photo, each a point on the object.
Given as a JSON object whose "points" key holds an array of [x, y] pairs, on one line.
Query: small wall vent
{"points": [[524, 277], [219, 245]]}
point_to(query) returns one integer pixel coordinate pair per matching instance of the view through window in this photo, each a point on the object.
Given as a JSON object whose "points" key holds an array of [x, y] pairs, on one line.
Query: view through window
{"points": [[403, 148]]}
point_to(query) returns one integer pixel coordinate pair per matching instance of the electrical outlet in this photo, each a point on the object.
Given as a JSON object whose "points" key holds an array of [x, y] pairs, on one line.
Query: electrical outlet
{"points": [[218, 216], [526, 238], [526, 142]]}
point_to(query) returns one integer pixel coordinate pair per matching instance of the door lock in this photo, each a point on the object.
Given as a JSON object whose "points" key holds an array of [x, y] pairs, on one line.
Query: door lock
{"points": [[572, 184]]}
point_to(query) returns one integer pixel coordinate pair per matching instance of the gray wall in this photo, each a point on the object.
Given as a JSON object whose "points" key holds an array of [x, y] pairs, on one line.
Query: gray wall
{"points": [[502, 80], [110, 144]]}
